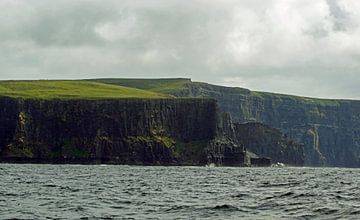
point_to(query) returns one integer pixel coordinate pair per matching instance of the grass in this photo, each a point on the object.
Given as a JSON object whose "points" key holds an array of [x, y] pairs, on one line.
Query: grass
{"points": [[175, 85], [114, 88], [165, 85], [71, 89], [301, 99]]}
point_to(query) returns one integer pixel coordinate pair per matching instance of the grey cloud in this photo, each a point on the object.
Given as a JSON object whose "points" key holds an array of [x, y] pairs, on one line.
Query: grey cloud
{"points": [[303, 47], [340, 16]]}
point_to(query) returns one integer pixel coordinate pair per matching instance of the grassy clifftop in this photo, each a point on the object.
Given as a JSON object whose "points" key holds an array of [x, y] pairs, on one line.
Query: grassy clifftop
{"points": [[114, 88], [71, 89], [300, 99], [177, 85], [164, 85]]}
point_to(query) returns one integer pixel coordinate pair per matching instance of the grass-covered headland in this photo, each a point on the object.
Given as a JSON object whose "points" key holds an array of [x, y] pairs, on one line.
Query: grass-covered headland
{"points": [[162, 85], [71, 89]]}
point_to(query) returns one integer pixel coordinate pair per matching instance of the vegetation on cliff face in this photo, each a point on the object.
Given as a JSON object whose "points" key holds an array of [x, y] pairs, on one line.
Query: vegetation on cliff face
{"points": [[71, 89]]}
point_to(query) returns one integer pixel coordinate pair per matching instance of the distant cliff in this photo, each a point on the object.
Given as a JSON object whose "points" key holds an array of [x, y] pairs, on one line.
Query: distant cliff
{"points": [[258, 140], [92, 122], [328, 129], [163, 131], [124, 131], [266, 141]]}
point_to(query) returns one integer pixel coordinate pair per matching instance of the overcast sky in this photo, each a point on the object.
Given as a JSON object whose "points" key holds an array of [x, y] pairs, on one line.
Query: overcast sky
{"points": [[301, 47]]}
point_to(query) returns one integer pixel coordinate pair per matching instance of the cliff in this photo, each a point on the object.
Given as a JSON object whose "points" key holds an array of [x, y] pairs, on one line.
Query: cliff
{"points": [[328, 129], [239, 143], [91, 121], [269, 142], [121, 131]]}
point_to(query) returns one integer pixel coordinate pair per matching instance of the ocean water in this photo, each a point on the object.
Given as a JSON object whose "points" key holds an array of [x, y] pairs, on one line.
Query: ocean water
{"points": [[142, 192]]}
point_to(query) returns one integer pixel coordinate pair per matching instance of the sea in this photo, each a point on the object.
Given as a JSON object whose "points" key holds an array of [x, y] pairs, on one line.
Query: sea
{"points": [[29, 191]]}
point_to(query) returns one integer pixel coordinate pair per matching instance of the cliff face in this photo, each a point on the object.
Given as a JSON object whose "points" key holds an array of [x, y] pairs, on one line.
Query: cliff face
{"points": [[238, 144], [266, 141], [328, 129], [161, 131]]}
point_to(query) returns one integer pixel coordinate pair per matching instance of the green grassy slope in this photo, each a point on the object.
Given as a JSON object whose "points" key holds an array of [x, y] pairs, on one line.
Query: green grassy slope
{"points": [[175, 85], [112, 88], [71, 89], [300, 99], [165, 85]]}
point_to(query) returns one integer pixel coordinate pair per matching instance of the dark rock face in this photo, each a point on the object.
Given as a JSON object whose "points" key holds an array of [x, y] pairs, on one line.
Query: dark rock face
{"points": [[268, 142], [238, 144], [261, 162], [226, 152], [133, 131], [329, 130], [163, 131]]}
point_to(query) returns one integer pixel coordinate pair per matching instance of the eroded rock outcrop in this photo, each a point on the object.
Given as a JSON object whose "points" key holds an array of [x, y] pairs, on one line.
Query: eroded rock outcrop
{"points": [[269, 142], [247, 144]]}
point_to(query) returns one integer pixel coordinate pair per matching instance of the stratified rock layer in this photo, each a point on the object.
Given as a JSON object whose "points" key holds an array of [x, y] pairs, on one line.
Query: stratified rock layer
{"points": [[238, 144], [269, 142], [328, 129], [134, 131]]}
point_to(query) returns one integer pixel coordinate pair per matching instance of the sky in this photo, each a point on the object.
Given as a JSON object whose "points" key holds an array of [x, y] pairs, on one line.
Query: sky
{"points": [[301, 47]]}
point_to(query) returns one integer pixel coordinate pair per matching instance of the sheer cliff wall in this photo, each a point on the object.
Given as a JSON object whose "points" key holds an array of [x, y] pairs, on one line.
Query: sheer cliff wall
{"points": [[328, 129], [125, 131]]}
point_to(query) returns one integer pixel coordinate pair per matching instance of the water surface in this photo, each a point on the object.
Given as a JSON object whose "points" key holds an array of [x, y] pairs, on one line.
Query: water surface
{"points": [[136, 192]]}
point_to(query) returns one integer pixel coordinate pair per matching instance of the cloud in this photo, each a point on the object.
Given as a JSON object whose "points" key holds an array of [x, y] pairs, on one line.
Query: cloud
{"points": [[304, 47]]}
